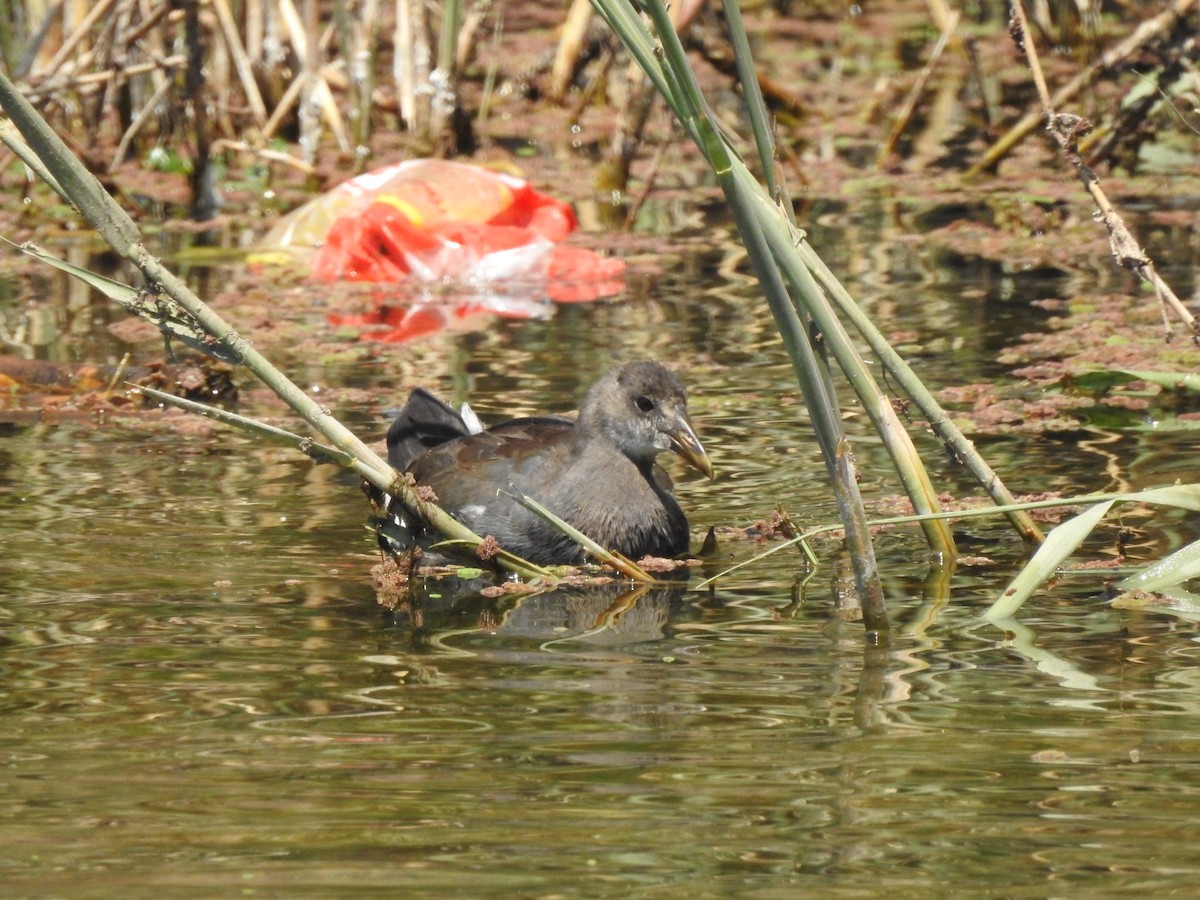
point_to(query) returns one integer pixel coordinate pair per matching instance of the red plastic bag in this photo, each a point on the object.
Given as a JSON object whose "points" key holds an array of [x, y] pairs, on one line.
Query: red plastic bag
{"points": [[448, 222]]}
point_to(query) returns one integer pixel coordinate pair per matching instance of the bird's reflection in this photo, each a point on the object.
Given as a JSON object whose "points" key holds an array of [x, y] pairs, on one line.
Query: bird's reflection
{"points": [[607, 615]]}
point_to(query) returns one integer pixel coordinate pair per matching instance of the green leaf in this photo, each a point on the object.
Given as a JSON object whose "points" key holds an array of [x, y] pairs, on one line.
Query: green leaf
{"points": [[161, 159], [1100, 380], [1165, 425], [1059, 544], [113, 290], [1185, 496], [1066, 538], [1175, 569], [1175, 381]]}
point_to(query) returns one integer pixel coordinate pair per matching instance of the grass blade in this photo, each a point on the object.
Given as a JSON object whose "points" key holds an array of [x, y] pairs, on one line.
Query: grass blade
{"points": [[1059, 544], [1172, 570], [1066, 538]]}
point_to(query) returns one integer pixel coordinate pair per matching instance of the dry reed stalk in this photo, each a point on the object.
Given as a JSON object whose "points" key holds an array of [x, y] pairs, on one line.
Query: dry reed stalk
{"points": [[1142, 35], [570, 46], [917, 91], [404, 63], [304, 41], [413, 61], [317, 96], [468, 34], [358, 35], [76, 37], [286, 102], [1066, 129], [151, 18], [114, 52], [143, 116], [241, 61], [254, 18], [265, 154], [90, 82]]}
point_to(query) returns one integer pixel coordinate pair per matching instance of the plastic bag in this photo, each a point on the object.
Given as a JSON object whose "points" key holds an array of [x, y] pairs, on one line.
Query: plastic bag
{"points": [[435, 221]]}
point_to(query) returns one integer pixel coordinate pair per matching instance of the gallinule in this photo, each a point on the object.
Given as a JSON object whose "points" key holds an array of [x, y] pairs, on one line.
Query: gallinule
{"points": [[596, 472]]}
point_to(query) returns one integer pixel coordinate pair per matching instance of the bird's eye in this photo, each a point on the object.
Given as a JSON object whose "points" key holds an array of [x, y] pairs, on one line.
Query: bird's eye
{"points": [[645, 404]]}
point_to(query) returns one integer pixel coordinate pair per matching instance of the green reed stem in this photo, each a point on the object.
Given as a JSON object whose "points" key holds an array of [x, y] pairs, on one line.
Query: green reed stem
{"points": [[941, 422], [896, 439], [675, 79]]}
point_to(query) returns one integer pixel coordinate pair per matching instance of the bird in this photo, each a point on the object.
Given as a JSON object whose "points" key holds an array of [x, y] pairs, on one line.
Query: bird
{"points": [[597, 472]]}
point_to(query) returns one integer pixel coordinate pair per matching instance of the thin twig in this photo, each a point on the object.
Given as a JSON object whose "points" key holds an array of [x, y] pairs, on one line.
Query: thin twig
{"points": [[1142, 35], [625, 566], [147, 112], [1066, 130], [76, 37], [90, 82], [914, 95], [241, 62], [277, 156], [318, 452], [648, 183]]}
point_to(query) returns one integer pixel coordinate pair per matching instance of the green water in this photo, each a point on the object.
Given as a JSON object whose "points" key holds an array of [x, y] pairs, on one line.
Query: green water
{"points": [[200, 695]]}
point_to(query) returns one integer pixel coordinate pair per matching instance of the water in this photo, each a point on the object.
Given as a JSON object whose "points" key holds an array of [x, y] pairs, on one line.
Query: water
{"points": [[200, 693]]}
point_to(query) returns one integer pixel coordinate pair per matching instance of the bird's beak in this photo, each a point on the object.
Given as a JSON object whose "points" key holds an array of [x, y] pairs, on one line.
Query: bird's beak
{"points": [[686, 444]]}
